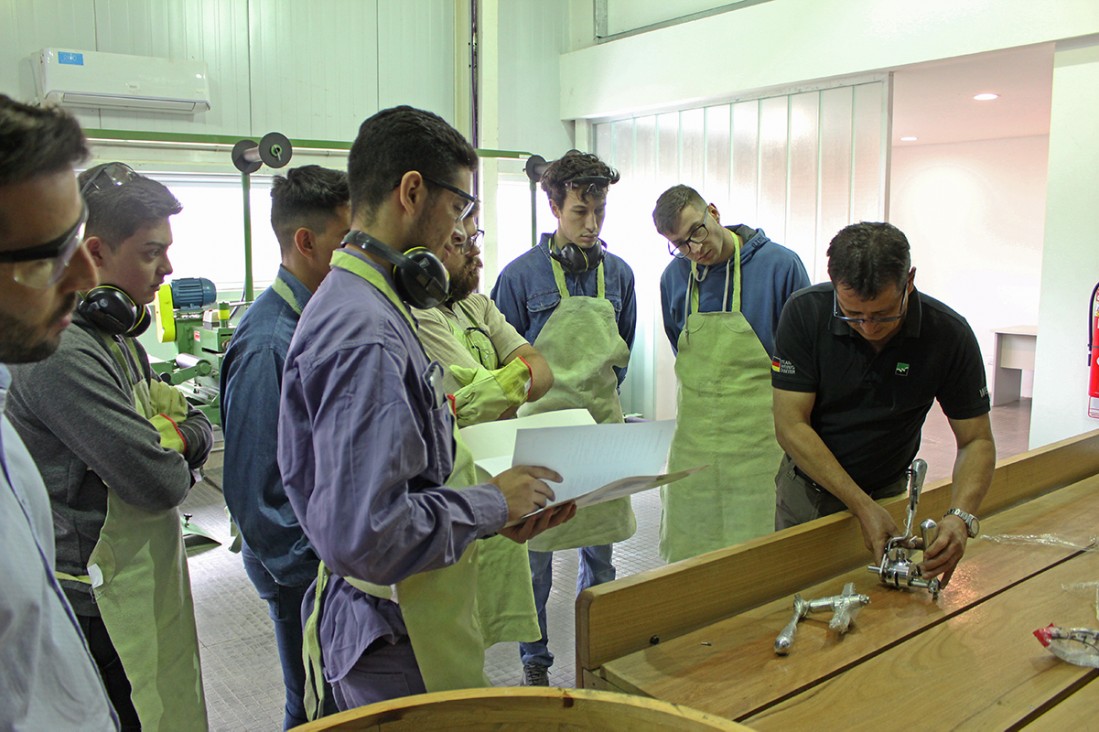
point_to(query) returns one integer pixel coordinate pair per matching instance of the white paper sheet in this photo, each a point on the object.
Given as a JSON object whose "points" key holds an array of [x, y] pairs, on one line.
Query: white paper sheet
{"points": [[591, 456]]}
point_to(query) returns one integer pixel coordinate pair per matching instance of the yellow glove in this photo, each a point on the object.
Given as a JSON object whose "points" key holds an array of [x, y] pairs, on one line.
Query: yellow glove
{"points": [[169, 407], [485, 395]]}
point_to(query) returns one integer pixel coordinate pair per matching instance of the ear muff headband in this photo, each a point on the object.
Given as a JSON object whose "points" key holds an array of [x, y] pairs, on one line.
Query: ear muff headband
{"points": [[576, 259], [420, 277], [113, 311]]}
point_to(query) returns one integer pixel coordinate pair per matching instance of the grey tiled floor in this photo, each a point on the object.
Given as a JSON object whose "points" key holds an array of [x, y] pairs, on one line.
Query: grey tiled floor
{"points": [[239, 659]]}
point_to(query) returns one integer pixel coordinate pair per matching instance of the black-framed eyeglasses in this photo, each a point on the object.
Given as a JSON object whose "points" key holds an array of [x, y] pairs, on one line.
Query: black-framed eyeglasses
{"points": [[107, 177], [699, 233], [469, 198], [472, 241], [873, 319], [42, 265]]}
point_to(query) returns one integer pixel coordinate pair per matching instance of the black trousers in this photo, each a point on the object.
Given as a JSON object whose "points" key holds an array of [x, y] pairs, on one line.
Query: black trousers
{"points": [[111, 671]]}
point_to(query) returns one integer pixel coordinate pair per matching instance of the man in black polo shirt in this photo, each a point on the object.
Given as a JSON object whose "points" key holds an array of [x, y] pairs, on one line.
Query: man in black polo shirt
{"points": [[858, 362]]}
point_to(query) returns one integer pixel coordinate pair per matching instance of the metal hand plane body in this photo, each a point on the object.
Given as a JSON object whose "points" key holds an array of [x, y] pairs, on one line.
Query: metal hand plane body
{"points": [[897, 569], [844, 607]]}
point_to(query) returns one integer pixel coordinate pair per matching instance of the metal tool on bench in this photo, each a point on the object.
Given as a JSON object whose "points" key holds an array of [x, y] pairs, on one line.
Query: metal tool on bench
{"points": [[897, 568], [844, 607]]}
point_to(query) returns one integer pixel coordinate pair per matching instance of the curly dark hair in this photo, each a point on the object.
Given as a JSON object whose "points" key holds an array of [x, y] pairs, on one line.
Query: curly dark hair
{"points": [[307, 196], [869, 257], [573, 166]]}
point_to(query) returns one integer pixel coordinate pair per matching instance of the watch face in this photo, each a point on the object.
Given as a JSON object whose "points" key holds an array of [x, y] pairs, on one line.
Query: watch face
{"points": [[974, 527]]}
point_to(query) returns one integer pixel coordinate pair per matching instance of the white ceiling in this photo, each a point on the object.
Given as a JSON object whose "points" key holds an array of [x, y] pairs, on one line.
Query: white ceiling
{"points": [[934, 101]]}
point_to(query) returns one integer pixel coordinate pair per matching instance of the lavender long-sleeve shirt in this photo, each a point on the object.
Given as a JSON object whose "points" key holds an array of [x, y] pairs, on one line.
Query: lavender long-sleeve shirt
{"points": [[365, 444]]}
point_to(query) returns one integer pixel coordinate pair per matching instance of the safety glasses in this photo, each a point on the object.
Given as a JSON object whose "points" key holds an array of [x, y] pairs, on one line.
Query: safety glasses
{"points": [[42, 265], [471, 242], [107, 177], [470, 200], [874, 319]]}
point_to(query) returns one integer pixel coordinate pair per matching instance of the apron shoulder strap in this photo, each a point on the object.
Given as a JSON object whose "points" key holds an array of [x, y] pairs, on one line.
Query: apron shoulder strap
{"points": [[559, 278], [350, 263]]}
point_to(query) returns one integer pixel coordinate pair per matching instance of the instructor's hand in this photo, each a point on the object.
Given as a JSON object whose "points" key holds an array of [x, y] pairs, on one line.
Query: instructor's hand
{"points": [[525, 490], [877, 526]]}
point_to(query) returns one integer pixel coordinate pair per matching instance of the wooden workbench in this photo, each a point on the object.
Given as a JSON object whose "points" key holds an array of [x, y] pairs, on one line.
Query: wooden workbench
{"points": [[701, 632]]}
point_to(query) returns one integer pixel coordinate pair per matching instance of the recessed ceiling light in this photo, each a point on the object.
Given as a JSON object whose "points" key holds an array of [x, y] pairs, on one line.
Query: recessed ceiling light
{"points": [[986, 97], [909, 138]]}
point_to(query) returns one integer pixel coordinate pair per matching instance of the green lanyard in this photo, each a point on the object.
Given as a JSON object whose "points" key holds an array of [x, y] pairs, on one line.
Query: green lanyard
{"points": [[282, 289], [350, 263], [692, 291], [559, 278]]}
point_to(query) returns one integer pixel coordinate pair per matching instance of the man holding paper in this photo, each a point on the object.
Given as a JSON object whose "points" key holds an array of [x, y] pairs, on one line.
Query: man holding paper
{"points": [[575, 302]]}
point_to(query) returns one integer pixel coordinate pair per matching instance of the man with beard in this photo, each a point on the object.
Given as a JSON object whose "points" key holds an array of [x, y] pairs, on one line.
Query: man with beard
{"points": [[490, 369], [49, 679], [366, 445], [117, 449]]}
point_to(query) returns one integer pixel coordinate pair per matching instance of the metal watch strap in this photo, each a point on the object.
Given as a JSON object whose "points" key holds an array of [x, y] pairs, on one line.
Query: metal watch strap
{"points": [[966, 517]]}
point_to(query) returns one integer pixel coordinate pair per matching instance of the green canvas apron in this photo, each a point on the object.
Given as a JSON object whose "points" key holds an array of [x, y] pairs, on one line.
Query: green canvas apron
{"points": [[505, 607], [439, 607], [724, 421], [138, 573], [582, 345]]}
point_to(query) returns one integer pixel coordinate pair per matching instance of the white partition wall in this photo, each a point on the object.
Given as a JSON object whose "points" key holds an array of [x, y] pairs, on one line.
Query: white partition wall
{"points": [[800, 166]]}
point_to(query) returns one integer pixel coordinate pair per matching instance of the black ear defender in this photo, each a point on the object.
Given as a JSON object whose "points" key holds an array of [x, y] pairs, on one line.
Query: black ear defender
{"points": [[576, 259], [113, 311], [421, 279]]}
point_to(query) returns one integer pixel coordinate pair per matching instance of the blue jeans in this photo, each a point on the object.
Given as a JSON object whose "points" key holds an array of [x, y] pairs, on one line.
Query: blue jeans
{"points": [[284, 607], [595, 569]]}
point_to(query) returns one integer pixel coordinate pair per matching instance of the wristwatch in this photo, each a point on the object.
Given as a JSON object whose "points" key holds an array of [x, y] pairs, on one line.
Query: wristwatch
{"points": [[972, 523]]}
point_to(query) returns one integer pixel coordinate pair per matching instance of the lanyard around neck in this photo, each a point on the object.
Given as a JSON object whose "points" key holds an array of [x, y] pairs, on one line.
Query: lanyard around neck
{"points": [[692, 289]]}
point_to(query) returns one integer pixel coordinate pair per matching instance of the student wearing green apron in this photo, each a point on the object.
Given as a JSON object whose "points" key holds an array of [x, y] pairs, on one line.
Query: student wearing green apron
{"points": [[117, 448], [574, 300], [366, 435], [721, 298], [490, 370], [310, 214]]}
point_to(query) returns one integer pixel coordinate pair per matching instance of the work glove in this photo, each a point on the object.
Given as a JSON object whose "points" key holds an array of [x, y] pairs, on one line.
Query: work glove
{"points": [[168, 407], [485, 395]]}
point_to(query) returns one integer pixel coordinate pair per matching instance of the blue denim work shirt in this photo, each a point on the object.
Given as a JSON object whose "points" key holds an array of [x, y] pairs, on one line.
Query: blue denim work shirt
{"points": [[527, 294], [251, 382]]}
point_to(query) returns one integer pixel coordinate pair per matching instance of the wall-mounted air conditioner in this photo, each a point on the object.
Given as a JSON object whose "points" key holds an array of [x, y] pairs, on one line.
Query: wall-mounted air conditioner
{"points": [[120, 81]]}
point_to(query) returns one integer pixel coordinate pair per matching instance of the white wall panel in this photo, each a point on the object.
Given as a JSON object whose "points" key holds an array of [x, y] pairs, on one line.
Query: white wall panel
{"points": [[532, 34], [415, 49], [213, 31], [321, 89], [26, 27]]}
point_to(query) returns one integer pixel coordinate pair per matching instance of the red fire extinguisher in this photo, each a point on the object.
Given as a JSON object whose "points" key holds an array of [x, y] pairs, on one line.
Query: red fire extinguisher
{"points": [[1093, 354]]}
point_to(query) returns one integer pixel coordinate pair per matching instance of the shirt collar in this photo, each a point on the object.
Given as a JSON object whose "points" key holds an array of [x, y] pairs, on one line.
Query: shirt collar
{"points": [[301, 292]]}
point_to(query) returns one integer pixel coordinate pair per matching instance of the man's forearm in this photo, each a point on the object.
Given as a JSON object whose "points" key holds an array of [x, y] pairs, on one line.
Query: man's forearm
{"points": [[973, 469]]}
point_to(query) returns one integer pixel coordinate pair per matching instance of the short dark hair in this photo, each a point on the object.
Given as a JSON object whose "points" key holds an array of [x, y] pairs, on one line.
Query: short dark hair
{"points": [[671, 203], [869, 257], [116, 212], [35, 141], [308, 197], [394, 141], [574, 164]]}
